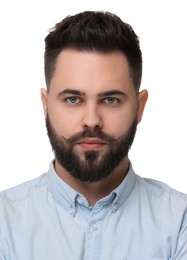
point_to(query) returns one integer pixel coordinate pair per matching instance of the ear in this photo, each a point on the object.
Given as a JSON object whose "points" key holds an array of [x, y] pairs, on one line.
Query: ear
{"points": [[44, 96], [142, 99]]}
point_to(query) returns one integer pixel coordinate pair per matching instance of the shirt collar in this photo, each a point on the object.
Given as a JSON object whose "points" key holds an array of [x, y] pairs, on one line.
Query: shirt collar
{"points": [[66, 196], [124, 190], [61, 191]]}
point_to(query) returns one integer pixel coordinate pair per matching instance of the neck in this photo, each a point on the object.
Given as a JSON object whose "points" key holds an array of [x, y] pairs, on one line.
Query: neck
{"points": [[97, 190]]}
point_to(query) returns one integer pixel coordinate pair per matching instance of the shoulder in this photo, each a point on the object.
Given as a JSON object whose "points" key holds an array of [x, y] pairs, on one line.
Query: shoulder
{"points": [[22, 191], [162, 197], [170, 203], [158, 189]]}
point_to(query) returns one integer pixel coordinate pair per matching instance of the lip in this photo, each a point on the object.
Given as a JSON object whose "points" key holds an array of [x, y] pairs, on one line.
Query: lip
{"points": [[91, 143]]}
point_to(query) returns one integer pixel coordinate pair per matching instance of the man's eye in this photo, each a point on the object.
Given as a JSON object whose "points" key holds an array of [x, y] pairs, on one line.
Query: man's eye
{"points": [[111, 100], [73, 100]]}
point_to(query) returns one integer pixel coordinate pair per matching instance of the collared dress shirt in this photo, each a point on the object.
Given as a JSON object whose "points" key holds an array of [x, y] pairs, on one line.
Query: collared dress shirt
{"points": [[45, 219]]}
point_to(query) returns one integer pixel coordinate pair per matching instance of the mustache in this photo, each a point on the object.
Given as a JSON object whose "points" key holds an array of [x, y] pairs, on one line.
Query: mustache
{"points": [[86, 133], [91, 133]]}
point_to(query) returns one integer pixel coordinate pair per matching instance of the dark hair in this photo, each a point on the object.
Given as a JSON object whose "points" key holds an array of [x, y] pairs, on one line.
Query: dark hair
{"points": [[101, 32]]}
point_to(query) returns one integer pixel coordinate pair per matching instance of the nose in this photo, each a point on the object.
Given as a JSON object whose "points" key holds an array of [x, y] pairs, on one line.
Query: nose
{"points": [[91, 117]]}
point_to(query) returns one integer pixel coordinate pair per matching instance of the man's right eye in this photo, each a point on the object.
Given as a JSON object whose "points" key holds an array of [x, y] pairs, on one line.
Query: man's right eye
{"points": [[73, 100]]}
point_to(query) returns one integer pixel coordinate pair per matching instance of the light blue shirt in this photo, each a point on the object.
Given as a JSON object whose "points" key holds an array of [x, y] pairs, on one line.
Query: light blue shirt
{"points": [[45, 219]]}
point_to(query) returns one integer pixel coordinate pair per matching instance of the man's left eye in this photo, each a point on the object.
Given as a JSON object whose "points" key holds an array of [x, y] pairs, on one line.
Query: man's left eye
{"points": [[111, 100]]}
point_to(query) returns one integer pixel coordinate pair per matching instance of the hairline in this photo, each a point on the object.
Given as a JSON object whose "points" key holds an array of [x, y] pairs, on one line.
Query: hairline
{"points": [[89, 50]]}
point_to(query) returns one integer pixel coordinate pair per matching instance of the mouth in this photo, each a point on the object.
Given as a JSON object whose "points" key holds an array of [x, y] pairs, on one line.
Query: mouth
{"points": [[91, 143]]}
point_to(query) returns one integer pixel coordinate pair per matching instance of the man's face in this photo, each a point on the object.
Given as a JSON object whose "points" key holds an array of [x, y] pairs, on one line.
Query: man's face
{"points": [[92, 111]]}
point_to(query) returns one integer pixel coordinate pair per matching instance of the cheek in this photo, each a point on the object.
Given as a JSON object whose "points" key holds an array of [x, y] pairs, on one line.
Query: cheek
{"points": [[64, 124], [117, 125]]}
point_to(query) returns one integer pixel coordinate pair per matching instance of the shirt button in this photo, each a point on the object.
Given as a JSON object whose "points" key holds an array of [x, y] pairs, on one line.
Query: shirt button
{"points": [[94, 226], [80, 200], [114, 208], [72, 211]]}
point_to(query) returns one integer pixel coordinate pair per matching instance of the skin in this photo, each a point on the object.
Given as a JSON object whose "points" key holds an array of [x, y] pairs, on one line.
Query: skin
{"points": [[89, 89]]}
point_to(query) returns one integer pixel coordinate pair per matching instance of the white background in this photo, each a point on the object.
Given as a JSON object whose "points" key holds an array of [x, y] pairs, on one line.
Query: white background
{"points": [[159, 150]]}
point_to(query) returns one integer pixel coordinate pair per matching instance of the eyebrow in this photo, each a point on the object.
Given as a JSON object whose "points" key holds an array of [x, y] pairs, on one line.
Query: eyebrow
{"points": [[72, 92], [112, 93], [82, 93]]}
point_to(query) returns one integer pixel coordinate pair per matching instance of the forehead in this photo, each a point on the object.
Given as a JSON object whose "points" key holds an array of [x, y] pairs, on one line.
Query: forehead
{"points": [[87, 71]]}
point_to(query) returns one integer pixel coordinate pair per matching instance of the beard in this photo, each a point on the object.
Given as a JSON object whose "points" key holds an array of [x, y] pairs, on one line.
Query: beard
{"points": [[93, 166]]}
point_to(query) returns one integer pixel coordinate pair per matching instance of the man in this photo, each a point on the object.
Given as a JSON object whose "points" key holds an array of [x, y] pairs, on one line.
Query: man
{"points": [[91, 204]]}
